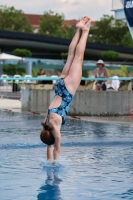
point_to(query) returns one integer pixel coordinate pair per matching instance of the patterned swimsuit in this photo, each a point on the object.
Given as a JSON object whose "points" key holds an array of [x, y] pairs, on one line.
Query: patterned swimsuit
{"points": [[61, 90]]}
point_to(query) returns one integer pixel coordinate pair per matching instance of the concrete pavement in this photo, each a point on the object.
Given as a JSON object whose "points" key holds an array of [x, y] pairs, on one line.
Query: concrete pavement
{"points": [[10, 104]]}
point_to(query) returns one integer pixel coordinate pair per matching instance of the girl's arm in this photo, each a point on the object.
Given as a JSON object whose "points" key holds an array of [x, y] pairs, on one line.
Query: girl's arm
{"points": [[57, 136]]}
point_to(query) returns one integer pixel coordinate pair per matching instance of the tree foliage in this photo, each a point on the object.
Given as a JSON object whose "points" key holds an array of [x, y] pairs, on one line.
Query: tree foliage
{"points": [[13, 20], [110, 55], [22, 52], [52, 24], [109, 31], [127, 40]]}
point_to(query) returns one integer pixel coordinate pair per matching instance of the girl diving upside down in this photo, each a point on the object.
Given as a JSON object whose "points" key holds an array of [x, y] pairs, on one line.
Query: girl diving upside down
{"points": [[65, 90]]}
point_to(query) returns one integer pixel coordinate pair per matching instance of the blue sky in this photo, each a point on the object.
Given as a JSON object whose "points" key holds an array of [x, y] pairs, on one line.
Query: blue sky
{"points": [[72, 9]]}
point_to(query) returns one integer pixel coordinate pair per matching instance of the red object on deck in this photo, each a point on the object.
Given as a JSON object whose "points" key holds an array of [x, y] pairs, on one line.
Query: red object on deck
{"points": [[35, 113], [75, 117], [131, 114]]}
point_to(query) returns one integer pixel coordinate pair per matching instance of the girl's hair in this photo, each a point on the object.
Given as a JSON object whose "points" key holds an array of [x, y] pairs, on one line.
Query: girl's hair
{"points": [[46, 135]]}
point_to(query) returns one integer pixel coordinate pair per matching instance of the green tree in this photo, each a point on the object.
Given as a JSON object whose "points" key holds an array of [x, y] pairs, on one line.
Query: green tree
{"points": [[127, 40], [13, 20], [22, 52], [108, 31], [110, 55], [52, 24], [118, 29], [100, 32]]}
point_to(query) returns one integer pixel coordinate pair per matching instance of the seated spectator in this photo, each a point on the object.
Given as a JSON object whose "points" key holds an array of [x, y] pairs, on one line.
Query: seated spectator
{"points": [[115, 82], [82, 82], [101, 72], [42, 74]]}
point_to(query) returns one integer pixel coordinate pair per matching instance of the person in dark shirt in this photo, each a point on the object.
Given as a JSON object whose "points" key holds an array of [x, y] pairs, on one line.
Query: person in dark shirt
{"points": [[43, 74]]}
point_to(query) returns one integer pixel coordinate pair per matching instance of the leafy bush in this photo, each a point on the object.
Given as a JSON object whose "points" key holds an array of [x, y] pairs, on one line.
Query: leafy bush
{"points": [[22, 52], [11, 70], [122, 72], [85, 73], [35, 72], [110, 55], [64, 55]]}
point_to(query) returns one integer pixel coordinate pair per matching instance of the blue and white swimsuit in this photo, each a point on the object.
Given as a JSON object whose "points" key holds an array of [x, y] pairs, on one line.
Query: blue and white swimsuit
{"points": [[62, 110]]}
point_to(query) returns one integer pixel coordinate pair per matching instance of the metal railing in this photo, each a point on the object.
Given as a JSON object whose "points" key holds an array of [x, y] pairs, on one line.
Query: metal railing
{"points": [[11, 87], [54, 78]]}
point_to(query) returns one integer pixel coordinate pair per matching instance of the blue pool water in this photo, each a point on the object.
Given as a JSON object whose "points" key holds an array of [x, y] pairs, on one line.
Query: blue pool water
{"points": [[96, 161]]}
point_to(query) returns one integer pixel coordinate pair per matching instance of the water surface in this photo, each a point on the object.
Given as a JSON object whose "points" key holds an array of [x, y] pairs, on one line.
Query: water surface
{"points": [[96, 161]]}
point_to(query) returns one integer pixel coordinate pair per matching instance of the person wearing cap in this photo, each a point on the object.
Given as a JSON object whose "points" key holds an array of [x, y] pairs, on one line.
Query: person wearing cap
{"points": [[101, 72]]}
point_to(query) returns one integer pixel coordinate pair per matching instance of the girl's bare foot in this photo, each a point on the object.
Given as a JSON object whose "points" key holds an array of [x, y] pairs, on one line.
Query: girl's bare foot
{"points": [[82, 22], [86, 26]]}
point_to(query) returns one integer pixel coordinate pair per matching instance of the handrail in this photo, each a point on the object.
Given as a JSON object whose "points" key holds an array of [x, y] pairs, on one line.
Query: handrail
{"points": [[54, 78]]}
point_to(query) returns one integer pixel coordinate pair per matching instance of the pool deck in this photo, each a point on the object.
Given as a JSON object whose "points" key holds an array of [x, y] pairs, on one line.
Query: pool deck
{"points": [[13, 105], [10, 104], [121, 120]]}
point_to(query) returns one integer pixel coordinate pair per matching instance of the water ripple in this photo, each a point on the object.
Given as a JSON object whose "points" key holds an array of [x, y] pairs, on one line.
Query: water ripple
{"points": [[69, 144]]}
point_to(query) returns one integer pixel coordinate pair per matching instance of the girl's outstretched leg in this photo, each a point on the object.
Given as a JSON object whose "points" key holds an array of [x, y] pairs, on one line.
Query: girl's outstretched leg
{"points": [[72, 81], [71, 51]]}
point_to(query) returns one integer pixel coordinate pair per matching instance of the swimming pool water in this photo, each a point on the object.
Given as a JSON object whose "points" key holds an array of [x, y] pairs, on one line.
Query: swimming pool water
{"points": [[96, 161]]}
